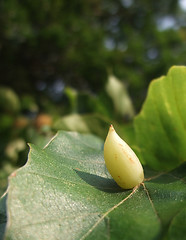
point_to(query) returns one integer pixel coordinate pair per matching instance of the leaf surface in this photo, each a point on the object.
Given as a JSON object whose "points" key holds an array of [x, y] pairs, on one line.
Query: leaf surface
{"points": [[65, 192], [161, 125]]}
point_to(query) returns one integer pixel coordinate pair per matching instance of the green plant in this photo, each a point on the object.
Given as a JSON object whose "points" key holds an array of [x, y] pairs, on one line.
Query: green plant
{"points": [[65, 192]]}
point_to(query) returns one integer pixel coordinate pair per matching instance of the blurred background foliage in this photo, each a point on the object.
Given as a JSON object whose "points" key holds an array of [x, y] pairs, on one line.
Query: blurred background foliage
{"points": [[79, 65]]}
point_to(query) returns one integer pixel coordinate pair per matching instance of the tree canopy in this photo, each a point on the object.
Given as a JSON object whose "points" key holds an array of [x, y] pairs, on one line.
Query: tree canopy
{"points": [[79, 42]]}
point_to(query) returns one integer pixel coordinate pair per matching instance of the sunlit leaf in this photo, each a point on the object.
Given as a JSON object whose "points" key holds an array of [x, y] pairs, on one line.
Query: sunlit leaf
{"points": [[65, 192], [161, 125]]}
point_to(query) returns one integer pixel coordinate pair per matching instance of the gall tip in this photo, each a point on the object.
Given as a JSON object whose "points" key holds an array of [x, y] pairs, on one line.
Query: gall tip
{"points": [[111, 127]]}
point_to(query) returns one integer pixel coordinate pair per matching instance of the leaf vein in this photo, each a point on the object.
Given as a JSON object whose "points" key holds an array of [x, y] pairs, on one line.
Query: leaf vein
{"points": [[109, 211], [151, 202]]}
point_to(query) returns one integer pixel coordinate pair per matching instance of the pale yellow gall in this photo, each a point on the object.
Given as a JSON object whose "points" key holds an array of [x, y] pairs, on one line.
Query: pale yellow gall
{"points": [[121, 162]]}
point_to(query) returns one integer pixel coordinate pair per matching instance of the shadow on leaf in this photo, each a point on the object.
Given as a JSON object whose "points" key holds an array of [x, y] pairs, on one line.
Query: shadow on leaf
{"points": [[175, 175], [101, 183]]}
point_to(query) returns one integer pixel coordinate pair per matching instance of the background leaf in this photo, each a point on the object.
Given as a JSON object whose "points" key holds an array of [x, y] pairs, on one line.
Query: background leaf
{"points": [[161, 125], [120, 98], [4, 173], [89, 123], [94, 124], [3, 217], [65, 192]]}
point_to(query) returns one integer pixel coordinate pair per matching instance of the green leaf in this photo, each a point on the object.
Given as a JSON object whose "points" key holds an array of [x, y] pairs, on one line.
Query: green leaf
{"points": [[177, 229], [5, 171], [65, 192], [9, 101], [119, 95], [85, 123], [95, 124], [161, 125]]}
